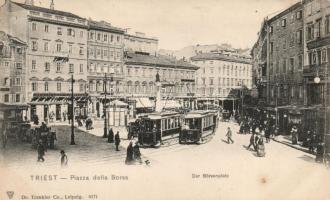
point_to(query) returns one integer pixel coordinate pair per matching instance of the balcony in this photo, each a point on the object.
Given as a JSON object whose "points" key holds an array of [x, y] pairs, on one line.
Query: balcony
{"points": [[318, 42], [312, 70]]}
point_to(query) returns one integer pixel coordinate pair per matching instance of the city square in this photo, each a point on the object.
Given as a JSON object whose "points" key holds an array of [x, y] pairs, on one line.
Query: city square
{"points": [[237, 109]]}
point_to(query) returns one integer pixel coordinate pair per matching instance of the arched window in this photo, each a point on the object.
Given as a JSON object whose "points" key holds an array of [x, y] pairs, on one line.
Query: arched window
{"points": [[137, 87], [46, 86], [129, 87], [144, 87], [151, 87]]}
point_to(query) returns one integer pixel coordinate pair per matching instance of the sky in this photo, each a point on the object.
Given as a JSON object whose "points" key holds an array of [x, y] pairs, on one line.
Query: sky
{"points": [[180, 23]]}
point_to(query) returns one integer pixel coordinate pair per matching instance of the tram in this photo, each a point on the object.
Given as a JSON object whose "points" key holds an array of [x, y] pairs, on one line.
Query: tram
{"points": [[198, 124], [157, 127]]}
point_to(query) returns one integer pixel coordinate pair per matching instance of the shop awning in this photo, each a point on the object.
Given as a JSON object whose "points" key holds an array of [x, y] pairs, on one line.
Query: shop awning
{"points": [[56, 100], [4, 107], [144, 103]]}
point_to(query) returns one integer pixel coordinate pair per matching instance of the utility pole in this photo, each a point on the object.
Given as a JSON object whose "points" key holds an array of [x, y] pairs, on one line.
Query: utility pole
{"points": [[72, 112]]}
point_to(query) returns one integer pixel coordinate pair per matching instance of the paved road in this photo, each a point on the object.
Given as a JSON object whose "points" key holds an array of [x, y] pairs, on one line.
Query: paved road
{"points": [[285, 173]]}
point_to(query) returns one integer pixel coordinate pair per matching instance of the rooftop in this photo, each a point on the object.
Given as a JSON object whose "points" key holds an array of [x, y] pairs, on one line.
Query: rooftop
{"points": [[47, 10], [212, 56], [105, 26], [161, 61]]}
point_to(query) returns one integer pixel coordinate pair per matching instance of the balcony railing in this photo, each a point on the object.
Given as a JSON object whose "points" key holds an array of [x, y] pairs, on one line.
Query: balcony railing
{"points": [[312, 70]]}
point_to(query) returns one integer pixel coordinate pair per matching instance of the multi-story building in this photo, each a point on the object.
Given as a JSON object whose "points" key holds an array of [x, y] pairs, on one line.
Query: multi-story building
{"points": [[176, 76], [285, 65], [139, 42], [316, 69], [219, 74], [259, 62], [105, 62], [57, 50], [12, 67]]}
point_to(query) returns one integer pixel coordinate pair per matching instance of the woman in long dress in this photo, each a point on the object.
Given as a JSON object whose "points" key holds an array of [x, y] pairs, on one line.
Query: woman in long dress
{"points": [[261, 147]]}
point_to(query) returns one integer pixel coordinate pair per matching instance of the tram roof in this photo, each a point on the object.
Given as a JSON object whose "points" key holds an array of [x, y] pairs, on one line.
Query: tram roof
{"points": [[160, 115], [199, 113]]}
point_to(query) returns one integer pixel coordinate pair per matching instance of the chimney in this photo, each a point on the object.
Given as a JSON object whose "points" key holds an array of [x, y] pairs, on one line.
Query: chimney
{"points": [[52, 6]]}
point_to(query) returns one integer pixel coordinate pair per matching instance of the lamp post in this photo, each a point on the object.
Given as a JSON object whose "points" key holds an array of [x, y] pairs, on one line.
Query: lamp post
{"points": [[72, 112], [105, 129], [276, 110]]}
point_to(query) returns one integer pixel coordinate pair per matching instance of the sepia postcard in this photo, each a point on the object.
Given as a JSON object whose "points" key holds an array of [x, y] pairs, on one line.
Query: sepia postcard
{"points": [[164, 99]]}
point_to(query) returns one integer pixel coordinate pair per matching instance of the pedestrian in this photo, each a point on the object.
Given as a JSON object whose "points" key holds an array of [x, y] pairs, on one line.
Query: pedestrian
{"points": [[319, 152], [117, 140], [260, 146], [137, 153], [252, 142], [294, 134], [64, 159], [4, 137], [110, 136], [267, 134], [129, 154], [229, 135], [41, 151]]}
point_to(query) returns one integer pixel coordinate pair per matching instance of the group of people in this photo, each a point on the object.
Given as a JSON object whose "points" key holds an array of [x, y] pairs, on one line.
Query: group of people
{"points": [[133, 154], [257, 142], [114, 138], [41, 153]]}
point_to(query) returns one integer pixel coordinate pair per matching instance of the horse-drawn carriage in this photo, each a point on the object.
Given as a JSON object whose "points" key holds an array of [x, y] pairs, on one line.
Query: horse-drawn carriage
{"points": [[44, 135]]}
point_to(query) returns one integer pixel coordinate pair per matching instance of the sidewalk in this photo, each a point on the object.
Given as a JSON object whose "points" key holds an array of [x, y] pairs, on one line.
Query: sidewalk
{"points": [[286, 140]]}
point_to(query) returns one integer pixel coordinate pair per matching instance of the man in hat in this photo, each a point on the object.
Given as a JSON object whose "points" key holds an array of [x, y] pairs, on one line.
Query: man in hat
{"points": [[229, 135], [117, 140]]}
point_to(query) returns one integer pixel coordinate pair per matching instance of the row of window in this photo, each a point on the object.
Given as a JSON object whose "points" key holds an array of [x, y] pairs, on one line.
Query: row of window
{"points": [[104, 37], [314, 30], [213, 91], [163, 73], [8, 82], [14, 98], [105, 53], [286, 65], [45, 86], [97, 67], [171, 123], [318, 56], [58, 17], [5, 65], [58, 67], [229, 71], [283, 22], [293, 91], [294, 38], [226, 81], [58, 47], [45, 28]]}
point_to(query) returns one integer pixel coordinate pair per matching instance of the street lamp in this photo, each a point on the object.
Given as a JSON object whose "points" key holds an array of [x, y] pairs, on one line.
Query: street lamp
{"points": [[72, 112], [105, 129], [276, 110]]}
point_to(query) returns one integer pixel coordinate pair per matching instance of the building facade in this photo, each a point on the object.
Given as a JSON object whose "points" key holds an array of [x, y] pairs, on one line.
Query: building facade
{"points": [[316, 68], [13, 70], [139, 42], [105, 63], [219, 74], [259, 62], [57, 49], [176, 77]]}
